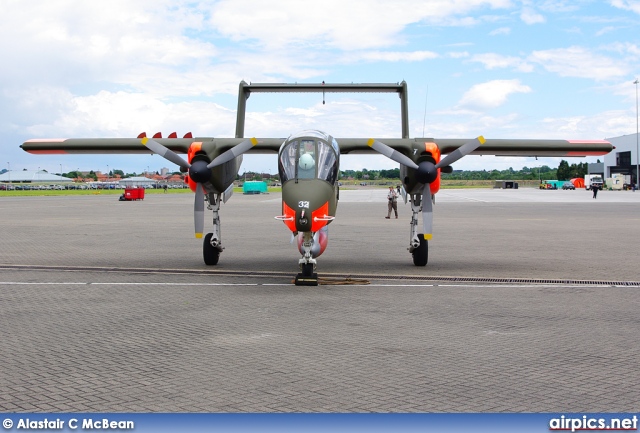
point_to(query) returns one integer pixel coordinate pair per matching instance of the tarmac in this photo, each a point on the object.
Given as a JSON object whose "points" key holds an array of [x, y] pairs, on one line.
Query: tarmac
{"points": [[528, 304]]}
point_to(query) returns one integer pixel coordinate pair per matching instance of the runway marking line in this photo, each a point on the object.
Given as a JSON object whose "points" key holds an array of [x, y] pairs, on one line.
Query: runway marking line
{"points": [[88, 283]]}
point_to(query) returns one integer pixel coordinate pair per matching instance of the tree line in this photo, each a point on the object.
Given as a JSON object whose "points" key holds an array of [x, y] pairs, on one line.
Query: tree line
{"points": [[563, 172]]}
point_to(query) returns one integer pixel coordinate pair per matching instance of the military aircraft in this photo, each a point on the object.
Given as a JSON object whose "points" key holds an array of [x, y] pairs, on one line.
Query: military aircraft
{"points": [[308, 165]]}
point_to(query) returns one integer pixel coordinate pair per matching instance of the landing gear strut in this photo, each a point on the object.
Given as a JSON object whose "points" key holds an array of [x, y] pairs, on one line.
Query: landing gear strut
{"points": [[307, 263], [212, 245], [418, 245]]}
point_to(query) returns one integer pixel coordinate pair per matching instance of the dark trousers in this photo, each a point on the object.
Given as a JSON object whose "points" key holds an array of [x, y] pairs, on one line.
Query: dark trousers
{"points": [[393, 205]]}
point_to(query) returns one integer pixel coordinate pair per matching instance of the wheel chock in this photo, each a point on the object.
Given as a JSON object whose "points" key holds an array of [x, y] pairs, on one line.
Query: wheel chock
{"points": [[307, 280]]}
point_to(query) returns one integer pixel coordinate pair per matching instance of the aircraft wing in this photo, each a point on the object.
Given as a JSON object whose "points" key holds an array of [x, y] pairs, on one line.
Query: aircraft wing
{"points": [[498, 147], [134, 145]]}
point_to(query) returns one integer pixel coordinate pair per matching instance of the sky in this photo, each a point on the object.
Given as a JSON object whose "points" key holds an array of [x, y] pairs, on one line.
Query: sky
{"points": [[497, 68]]}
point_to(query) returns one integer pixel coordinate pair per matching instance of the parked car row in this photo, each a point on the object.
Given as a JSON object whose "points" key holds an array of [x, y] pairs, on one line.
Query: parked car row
{"points": [[556, 184], [76, 186]]}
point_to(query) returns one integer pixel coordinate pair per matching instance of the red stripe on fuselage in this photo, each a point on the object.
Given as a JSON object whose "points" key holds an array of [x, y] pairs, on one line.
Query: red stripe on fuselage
{"points": [[47, 152], [321, 212], [289, 212], [587, 153]]}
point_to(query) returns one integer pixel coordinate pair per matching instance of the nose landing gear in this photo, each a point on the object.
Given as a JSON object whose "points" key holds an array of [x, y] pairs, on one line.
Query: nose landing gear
{"points": [[307, 277], [307, 264]]}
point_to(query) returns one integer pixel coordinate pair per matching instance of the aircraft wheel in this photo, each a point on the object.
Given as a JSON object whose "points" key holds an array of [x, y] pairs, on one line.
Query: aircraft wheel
{"points": [[421, 254], [210, 254], [307, 270]]}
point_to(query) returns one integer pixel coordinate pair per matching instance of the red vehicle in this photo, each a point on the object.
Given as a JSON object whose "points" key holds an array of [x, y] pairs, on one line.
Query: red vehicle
{"points": [[132, 194]]}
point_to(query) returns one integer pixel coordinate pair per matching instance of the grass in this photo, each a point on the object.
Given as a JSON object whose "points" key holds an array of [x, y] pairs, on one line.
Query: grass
{"points": [[445, 184], [116, 192]]}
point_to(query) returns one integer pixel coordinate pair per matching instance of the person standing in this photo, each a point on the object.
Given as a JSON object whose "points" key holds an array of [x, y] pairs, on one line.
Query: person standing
{"points": [[392, 199], [595, 191]]}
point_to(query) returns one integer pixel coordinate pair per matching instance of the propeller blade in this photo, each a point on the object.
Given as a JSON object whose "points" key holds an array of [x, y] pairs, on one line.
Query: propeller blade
{"points": [[427, 212], [463, 150], [234, 152], [198, 211], [391, 153], [164, 152]]}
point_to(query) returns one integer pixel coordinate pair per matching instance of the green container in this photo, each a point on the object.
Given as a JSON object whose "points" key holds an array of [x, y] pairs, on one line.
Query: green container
{"points": [[254, 187]]}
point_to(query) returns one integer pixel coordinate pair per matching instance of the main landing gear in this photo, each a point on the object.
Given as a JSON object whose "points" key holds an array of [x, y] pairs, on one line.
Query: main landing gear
{"points": [[212, 245], [418, 245]]}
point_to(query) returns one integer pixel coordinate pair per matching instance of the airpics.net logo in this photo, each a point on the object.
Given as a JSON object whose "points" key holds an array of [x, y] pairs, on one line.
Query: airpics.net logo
{"points": [[586, 423]]}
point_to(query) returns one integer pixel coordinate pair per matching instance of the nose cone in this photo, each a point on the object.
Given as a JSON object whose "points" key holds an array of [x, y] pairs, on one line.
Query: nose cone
{"points": [[308, 199], [199, 172]]}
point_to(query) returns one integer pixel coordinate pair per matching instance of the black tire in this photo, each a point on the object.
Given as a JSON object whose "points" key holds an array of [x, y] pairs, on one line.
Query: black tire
{"points": [[421, 254], [211, 255], [307, 270]]}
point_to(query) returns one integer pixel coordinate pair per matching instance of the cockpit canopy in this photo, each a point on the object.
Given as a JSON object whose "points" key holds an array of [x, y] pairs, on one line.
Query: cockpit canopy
{"points": [[309, 155]]}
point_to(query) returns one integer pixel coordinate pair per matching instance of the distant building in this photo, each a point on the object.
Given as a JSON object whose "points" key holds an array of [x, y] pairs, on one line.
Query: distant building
{"points": [[623, 158], [32, 176], [137, 181]]}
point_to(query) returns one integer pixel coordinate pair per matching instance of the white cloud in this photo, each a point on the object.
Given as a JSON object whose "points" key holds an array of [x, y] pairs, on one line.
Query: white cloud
{"points": [[629, 5], [625, 48], [74, 41], [554, 6], [491, 94], [579, 62], [530, 16], [500, 31], [493, 61], [392, 56], [80, 68], [602, 125], [458, 54], [605, 30], [361, 24]]}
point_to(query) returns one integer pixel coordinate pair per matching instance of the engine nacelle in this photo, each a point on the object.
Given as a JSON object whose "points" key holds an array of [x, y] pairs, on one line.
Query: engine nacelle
{"points": [[194, 148], [434, 150], [320, 241]]}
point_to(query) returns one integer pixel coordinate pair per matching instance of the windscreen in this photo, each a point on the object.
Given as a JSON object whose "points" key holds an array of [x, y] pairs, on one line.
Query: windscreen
{"points": [[308, 158], [327, 163], [287, 163]]}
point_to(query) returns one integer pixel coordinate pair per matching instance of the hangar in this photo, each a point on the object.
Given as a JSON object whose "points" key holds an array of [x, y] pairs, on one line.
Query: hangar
{"points": [[32, 176], [624, 158]]}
